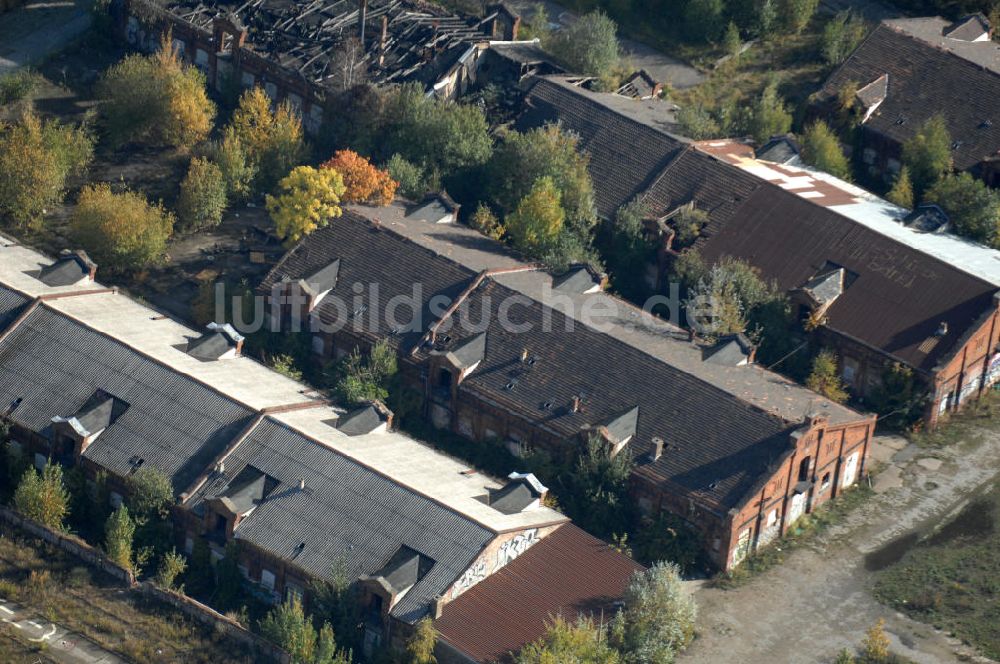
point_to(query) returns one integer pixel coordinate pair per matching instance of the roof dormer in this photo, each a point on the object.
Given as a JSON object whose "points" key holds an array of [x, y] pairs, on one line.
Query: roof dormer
{"points": [[71, 268], [971, 28], [219, 342], [522, 493]]}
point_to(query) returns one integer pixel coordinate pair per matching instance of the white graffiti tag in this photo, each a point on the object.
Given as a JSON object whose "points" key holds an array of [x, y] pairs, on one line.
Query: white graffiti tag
{"points": [[511, 549], [471, 577]]}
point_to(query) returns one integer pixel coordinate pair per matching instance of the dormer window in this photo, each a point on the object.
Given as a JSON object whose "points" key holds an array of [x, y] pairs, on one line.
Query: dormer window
{"points": [[522, 493], [219, 342], [72, 267]]}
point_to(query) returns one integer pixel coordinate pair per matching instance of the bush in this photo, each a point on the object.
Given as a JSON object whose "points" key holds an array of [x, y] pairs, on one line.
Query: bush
{"points": [[841, 35], [363, 183], [927, 154], [821, 149], [203, 196], [589, 46], [658, 620], [18, 85], [36, 158], [271, 140], [769, 116], [972, 207], [118, 536], [409, 176], [307, 200], [120, 231], [155, 100], [234, 163], [368, 379], [538, 219], [43, 498], [824, 378]]}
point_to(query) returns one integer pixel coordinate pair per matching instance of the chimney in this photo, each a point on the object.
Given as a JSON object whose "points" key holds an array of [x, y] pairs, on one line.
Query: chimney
{"points": [[437, 607], [384, 40], [362, 19], [576, 404], [524, 355], [657, 448], [942, 329], [302, 484], [220, 467]]}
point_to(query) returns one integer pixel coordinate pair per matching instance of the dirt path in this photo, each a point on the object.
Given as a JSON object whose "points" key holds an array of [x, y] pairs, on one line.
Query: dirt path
{"points": [[819, 601]]}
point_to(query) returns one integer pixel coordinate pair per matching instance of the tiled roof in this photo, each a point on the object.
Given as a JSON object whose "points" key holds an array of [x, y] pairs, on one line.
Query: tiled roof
{"points": [[716, 458], [555, 577], [900, 295], [625, 153], [346, 513], [928, 78], [54, 364], [11, 303]]}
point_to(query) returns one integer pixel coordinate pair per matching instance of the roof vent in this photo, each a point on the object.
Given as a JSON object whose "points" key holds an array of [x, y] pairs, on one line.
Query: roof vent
{"points": [[72, 267], [928, 219], [657, 450], [220, 342], [369, 418], [942, 329]]}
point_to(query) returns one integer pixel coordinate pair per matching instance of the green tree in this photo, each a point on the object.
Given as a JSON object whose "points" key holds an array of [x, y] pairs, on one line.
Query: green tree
{"points": [[668, 537], [581, 642], [203, 196], [307, 199], [898, 399], [368, 378], [928, 154], [538, 219], [238, 171], [767, 18], [172, 566], [825, 379], [797, 14], [972, 207], [820, 148], [334, 600], [597, 497], [420, 645], [271, 140], [687, 226], [121, 231], [409, 176], [288, 626], [724, 296], [698, 122], [841, 35], [732, 42], [703, 19], [628, 252], [658, 619], [486, 222], [156, 100], [902, 190], [589, 46], [768, 115], [36, 158], [43, 498], [537, 26], [150, 493], [119, 533]]}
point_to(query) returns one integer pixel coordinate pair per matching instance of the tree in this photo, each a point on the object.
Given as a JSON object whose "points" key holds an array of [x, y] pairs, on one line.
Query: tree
{"points": [[928, 154], [902, 190], [732, 42], [43, 498], [841, 35], [898, 399], [288, 626], [768, 115], [658, 619], [972, 207], [420, 645], [538, 219], [368, 379], [687, 226], [697, 122], [155, 99], [767, 18], [237, 170], [203, 196], [668, 537], [581, 642], [486, 222], [875, 646], [703, 19], [597, 497], [334, 601], [349, 64], [171, 567], [150, 493], [537, 26], [824, 378], [36, 158], [271, 140], [118, 539], [122, 231], [409, 176], [363, 182], [589, 46], [797, 14], [720, 302], [821, 149], [628, 252], [308, 198]]}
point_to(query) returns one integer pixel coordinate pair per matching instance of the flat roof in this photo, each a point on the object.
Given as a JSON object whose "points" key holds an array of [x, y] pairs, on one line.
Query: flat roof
{"points": [[930, 30], [863, 207], [20, 266]]}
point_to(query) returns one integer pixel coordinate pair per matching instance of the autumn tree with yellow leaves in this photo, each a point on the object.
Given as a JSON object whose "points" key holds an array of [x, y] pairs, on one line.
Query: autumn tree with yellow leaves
{"points": [[308, 198], [155, 100], [363, 182], [536, 223], [271, 140]]}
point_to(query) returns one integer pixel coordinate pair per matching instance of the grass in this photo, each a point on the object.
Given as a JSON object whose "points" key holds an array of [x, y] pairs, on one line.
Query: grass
{"points": [[14, 651], [952, 579], [805, 531], [978, 417], [54, 584]]}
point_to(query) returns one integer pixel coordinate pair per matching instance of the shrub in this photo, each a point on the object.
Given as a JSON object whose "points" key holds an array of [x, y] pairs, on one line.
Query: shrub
{"points": [[363, 183], [43, 498], [308, 198], [840, 36], [589, 46], [538, 219], [156, 100], [409, 176], [825, 379], [821, 149], [271, 140], [18, 85], [486, 222], [203, 196], [927, 154], [658, 620], [368, 379], [118, 536], [972, 207], [121, 231]]}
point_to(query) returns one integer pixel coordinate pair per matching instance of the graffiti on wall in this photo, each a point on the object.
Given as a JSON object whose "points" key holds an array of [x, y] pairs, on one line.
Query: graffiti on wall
{"points": [[471, 577], [512, 548]]}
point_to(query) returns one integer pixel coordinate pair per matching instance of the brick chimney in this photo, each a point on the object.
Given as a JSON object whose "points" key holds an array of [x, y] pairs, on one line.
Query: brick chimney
{"points": [[657, 449]]}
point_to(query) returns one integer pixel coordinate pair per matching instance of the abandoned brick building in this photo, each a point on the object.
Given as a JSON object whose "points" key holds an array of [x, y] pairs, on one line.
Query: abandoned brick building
{"points": [[305, 53], [911, 69], [497, 350], [89, 376], [904, 290]]}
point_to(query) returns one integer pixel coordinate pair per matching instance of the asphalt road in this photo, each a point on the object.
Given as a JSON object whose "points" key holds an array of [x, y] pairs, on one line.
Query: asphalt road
{"points": [[31, 33], [61, 645]]}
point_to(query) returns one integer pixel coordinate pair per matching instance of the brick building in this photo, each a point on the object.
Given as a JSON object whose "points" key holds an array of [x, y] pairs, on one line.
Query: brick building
{"points": [[89, 376], [911, 69], [307, 55], [496, 349]]}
